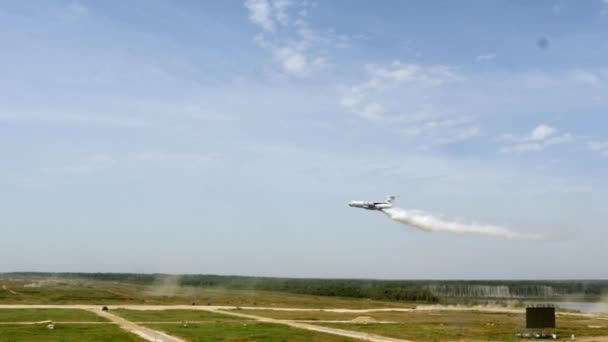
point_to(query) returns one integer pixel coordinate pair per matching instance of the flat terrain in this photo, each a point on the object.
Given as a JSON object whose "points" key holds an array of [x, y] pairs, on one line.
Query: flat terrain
{"points": [[51, 290], [229, 323], [457, 325], [244, 331], [67, 332], [321, 315], [431, 325], [173, 315], [157, 312], [55, 315]]}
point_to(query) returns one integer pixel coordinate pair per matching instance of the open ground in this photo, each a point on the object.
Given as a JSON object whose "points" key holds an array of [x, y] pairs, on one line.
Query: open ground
{"points": [[165, 312]]}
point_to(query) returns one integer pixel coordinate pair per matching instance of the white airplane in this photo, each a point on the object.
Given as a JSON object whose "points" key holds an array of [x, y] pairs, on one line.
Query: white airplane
{"points": [[373, 205]]}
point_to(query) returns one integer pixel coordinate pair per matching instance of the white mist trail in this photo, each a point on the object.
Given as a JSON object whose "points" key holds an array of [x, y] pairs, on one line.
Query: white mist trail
{"points": [[430, 223]]}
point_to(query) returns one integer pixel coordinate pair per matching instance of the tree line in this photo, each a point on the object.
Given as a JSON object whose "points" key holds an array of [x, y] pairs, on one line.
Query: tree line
{"points": [[427, 291]]}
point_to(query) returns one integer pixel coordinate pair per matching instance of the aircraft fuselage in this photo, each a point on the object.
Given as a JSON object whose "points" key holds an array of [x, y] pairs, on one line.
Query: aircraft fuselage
{"points": [[373, 205], [370, 205]]}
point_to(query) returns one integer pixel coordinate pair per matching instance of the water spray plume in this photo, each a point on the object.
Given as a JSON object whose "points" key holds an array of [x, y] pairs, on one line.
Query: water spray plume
{"points": [[430, 223]]}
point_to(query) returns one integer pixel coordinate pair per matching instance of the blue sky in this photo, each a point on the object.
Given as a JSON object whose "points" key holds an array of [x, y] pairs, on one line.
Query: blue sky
{"points": [[227, 137]]}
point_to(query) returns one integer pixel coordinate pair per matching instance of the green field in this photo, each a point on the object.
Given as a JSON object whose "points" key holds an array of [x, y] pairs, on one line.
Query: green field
{"points": [[55, 315], [312, 315], [420, 325], [582, 326], [58, 290], [443, 325], [459, 325], [239, 331], [39, 290], [67, 332], [172, 315]]}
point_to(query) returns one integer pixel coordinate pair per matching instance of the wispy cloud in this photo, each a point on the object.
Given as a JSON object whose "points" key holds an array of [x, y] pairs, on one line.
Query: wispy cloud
{"points": [[181, 158], [261, 13], [286, 33], [542, 132], [85, 165], [584, 77], [403, 94], [365, 99], [446, 131], [541, 137], [396, 72], [485, 57], [422, 92], [600, 147], [280, 9], [295, 61], [426, 102]]}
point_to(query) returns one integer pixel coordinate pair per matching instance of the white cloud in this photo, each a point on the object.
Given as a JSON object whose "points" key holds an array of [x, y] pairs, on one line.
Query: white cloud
{"points": [[600, 147], [268, 13], [372, 112], [446, 131], [260, 13], [541, 132], [402, 94], [295, 46], [432, 125], [461, 134], [541, 137], [392, 83], [485, 57], [419, 95], [564, 138], [395, 72], [295, 62], [427, 75], [291, 59], [280, 7]]}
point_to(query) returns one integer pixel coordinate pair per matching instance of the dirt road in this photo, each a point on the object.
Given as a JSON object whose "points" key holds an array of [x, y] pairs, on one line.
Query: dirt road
{"points": [[141, 331], [153, 335], [333, 331]]}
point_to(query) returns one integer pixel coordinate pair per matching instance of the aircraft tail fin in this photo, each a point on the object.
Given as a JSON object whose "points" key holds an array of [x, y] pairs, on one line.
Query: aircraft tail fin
{"points": [[390, 199]]}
